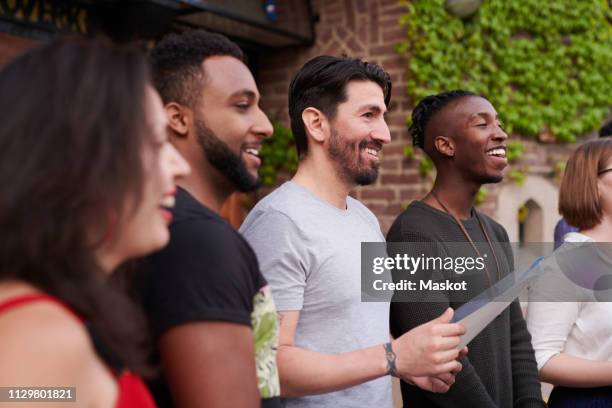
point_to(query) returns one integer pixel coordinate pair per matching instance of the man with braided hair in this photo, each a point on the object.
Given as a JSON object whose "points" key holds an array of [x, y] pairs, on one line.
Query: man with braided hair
{"points": [[462, 134]]}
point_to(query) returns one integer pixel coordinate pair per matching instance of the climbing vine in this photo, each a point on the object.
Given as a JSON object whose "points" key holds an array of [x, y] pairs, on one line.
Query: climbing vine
{"points": [[545, 65], [514, 150], [481, 195], [278, 154]]}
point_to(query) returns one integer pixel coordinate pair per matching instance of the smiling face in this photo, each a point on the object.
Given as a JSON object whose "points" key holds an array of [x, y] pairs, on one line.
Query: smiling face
{"points": [[230, 126], [358, 133], [477, 138]]}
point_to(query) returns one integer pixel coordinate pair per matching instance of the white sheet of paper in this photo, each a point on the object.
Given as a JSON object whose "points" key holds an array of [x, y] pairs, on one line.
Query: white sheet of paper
{"points": [[476, 314]]}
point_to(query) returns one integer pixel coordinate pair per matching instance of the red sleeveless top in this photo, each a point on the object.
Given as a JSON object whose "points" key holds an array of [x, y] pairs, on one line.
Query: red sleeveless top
{"points": [[133, 393]]}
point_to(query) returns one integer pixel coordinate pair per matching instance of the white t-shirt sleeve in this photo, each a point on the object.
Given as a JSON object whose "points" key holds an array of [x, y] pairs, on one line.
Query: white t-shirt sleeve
{"points": [[549, 320]]}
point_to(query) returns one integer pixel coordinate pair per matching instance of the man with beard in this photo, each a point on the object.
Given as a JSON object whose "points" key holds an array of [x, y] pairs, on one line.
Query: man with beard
{"points": [[209, 306], [462, 135], [334, 350]]}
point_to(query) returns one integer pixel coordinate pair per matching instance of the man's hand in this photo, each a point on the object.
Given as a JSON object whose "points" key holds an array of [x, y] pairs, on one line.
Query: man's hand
{"points": [[439, 384], [433, 384], [429, 350]]}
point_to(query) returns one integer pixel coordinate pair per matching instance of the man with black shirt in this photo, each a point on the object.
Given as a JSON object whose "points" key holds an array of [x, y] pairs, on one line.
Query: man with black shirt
{"points": [[462, 135], [208, 304]]}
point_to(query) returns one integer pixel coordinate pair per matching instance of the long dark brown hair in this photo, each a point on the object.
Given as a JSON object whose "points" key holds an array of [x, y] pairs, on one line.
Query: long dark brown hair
{"points": [[72, 129]]}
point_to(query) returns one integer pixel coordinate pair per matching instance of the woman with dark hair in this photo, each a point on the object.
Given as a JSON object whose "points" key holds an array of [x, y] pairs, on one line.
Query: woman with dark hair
{"points": [[88, 173], [569, 322]]}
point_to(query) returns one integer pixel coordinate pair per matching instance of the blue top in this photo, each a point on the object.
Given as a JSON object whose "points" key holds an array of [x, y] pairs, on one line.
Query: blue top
{"points": [[561, 229]]}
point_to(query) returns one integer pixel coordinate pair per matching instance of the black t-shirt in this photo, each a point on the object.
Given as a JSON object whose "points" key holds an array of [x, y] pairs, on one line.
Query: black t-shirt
{"points": [[209, 272]]}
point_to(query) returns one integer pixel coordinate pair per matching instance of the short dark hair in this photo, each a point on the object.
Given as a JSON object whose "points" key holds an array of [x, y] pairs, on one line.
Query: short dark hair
{"points": [[321, 83], [606, 130], [71, 138], [429, 106], [176, 63]]}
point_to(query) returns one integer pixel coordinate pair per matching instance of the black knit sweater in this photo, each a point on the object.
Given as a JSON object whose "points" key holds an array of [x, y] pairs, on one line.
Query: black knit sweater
{"points": [[500, 369]]}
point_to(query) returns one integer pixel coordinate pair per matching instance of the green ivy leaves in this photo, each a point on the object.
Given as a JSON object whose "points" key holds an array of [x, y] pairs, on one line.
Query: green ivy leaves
{"points": [[514, 150], [278, 154], [545, 66]]}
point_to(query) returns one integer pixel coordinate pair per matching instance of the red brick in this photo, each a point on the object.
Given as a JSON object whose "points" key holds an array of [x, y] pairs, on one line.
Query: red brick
{"points": [[329, 7], [410, 194], [399, 178], [361, 5], [410, 164], [395, 10], [385, 222], [382, 50], [396, 76], [378, 193], [281, 89], [407, 105], [393, 63], [374, 30], [350, 15], [375, 207], [388, 22], [273, 111], [399, 72], [390, 164], [394, 149], [354, 46], [362, 30], [395, 136], [405, 137], [334, 49], [334, 20], [276, 100], [396, 119], [324, 35], [393, 35], [399, 90], [393, 106], [342, 33], [393, 209], [277, 75]]}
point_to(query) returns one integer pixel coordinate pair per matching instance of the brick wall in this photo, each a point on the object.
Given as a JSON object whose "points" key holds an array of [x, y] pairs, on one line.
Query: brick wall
{"points": [[366, 29], [369, 29]]}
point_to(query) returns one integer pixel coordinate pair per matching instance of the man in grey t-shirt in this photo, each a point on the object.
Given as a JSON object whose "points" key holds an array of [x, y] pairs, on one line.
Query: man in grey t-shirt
{"points": [[334, 350]]}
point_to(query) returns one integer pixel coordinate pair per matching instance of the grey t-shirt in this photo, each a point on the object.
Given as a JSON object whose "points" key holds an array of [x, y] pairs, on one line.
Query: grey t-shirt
{"points": [[309, 252]]}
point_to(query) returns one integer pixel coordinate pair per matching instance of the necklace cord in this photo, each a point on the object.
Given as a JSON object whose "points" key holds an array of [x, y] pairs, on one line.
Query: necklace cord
{"points": [[469, 238]]}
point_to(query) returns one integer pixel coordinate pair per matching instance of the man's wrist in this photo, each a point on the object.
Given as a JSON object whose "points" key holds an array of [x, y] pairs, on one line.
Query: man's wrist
{"points": [[391, 357]]}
